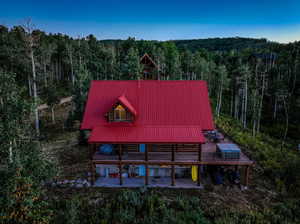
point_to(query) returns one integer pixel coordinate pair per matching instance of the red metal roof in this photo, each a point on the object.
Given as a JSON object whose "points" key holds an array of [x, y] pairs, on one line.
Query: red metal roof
{"points": [[156, 103], [148, 134], [124, 101]]}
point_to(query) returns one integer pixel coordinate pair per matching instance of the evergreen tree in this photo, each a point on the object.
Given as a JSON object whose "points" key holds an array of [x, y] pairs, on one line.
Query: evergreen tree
{"points": [[82, 84], [131, 68], [173, 70]]}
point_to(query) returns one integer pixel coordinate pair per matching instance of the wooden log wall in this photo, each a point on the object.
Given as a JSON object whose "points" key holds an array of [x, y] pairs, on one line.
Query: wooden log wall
{"points": [[158, 147], [163, 148]]}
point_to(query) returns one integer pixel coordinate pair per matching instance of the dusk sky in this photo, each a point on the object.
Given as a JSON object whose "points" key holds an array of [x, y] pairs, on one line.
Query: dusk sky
{"points": [[276, 20]]}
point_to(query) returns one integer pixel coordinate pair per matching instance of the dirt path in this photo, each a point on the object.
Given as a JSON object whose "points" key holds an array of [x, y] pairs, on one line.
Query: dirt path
{"points": [[62, 101]]}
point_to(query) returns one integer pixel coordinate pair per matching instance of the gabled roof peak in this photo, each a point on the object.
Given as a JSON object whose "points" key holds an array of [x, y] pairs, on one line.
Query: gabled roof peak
{"points": [[125, 102], [146, 55]]}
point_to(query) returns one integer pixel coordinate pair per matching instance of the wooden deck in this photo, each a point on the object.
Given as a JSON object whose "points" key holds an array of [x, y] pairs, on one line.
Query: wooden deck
{"points": [[208, 157]]}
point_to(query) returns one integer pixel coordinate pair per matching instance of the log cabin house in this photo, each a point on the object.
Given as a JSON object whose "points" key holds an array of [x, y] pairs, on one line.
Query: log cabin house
{"points": [[151, 132], [150, 69]]}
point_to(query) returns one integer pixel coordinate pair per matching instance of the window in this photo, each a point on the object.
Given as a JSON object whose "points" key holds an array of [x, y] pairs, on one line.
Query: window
{"points": [[119, 114]]}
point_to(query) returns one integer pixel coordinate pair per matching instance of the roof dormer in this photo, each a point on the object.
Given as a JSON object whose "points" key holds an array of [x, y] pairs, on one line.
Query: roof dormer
{"points": [[121, 111]]}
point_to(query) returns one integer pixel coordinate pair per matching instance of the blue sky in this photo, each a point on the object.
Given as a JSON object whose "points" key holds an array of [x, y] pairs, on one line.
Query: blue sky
{"points": [[277, 20]]}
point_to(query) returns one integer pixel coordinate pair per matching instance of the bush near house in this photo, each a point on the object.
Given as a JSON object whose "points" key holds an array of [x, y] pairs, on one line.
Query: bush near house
{"points": [[129, 206], [280, 164]]}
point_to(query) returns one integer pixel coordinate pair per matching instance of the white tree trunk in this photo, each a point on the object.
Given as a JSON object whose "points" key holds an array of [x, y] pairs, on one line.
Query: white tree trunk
{"points": [[275, 108], [72, 72], [261, 104], [10, 152], [45, 74], [286, 122], [36, 112], [245, 105], [53, 115]]}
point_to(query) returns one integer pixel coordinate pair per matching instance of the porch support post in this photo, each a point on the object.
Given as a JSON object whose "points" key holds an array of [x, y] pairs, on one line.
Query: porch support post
{"points": [[120, 164], [93, 173], [173, 167], [94, 148], [120, 173], [90, 151], [120, 151], [236, 168], [173, 152], [199, 166], [92, 165], [247, 171], [146, 165]]}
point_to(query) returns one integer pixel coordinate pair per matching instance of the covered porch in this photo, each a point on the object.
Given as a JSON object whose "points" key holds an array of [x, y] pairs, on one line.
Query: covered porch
{"points": [[172, 157], [158, 156]]}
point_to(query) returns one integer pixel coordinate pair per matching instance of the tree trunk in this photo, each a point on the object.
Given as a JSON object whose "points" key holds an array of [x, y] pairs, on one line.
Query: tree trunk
{"points": [[220, 100], [231, 102], [275, 108], [286, 123], [45, 74], [261, 104], [53, 115], [236, 106], [255, 102], [71, 63], [10, 152], [29, 86], [245, 105], [36, 112]]}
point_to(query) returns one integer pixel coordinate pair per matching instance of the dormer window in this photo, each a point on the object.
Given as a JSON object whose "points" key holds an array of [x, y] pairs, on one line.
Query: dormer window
{"points": [[119, 113], [122, 111]]}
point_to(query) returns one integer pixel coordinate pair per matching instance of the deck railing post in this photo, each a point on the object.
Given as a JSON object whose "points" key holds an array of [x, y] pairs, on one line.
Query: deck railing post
{"points": [[199, 166], [172, 166]]}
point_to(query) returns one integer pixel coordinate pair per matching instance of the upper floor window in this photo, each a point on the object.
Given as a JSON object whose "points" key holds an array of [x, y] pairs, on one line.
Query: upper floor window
{"points": [[122, 111], [119, 114]]}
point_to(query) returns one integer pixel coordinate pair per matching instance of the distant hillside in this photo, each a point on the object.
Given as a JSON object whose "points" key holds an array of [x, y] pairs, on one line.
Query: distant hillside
{"points": [[111, 41], [211, 44], [222, 44]]}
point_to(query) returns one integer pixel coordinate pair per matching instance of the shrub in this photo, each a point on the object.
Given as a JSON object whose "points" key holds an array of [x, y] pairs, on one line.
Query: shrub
{"points": [[282, 165]]}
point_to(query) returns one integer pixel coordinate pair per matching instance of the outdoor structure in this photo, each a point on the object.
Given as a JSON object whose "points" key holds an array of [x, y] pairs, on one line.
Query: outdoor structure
{"points": [[151, 70], [147, 129]]}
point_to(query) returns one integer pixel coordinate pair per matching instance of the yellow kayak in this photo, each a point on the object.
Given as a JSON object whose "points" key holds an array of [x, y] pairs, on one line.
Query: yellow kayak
{"points": [[194, 173]]}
